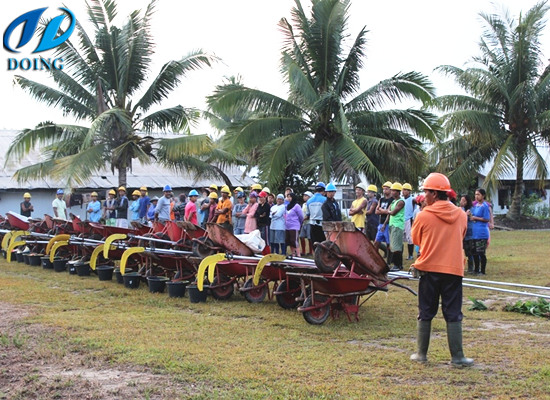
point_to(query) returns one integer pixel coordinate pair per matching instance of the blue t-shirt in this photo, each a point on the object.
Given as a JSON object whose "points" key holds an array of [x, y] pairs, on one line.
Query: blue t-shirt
{"points": [[480, 230], [314, 206]]}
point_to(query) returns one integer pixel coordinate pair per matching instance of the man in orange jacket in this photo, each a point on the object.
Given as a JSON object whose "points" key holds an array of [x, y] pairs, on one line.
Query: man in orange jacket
{"points": [[439, 230]]}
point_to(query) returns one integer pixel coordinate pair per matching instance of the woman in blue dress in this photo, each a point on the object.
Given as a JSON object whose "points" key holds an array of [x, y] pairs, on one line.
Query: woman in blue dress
{"points": [[480, 214]]}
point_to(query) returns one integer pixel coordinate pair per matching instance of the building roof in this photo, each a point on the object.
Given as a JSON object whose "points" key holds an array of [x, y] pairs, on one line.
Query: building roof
{"points": [[529, 174], [152, 176]]}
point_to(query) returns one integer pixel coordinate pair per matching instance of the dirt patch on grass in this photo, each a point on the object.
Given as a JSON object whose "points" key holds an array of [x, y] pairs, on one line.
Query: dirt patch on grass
{"points": [[37, 362]]}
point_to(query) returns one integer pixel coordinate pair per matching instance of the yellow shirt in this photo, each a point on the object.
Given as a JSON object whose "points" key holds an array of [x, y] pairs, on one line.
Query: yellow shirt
{"points": [[359, 218]]}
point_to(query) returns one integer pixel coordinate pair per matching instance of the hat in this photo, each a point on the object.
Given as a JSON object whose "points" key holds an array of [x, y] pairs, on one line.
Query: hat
{"points": [[167, 188], [451, 194], [193, 193], [387, 184], [112, 191], [240, 195], [253, 195], [330, 187], [155, 198], [27, 195], [280, 196], [437, 181], [396, 186], [136, 193], [361, 186], [213, 195], [225, 189], [320, 185], [213, 186], [263, 194], [419, 199], [407, 186], [60, 191], [94, 194], [256, 186], [266, 189], [309, 194], [121, 188], [143, 188], [238, 189], [372, 188]]}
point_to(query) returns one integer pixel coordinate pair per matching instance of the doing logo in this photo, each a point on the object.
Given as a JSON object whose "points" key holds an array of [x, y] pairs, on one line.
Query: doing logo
{"points": [[48, 38]]}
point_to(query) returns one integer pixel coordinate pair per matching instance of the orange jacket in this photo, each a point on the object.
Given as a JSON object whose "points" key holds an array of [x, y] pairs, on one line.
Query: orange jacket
{"points": [[439, 230]]}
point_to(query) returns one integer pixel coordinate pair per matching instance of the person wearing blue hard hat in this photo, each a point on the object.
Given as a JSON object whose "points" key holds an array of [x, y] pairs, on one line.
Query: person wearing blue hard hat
{"points": [[191, 208], [314, 213], [331, 209], [59, 206], [162, 211]]}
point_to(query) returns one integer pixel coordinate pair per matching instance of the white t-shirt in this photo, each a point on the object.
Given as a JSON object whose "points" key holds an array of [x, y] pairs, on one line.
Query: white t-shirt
{"points": [[61, 208]]}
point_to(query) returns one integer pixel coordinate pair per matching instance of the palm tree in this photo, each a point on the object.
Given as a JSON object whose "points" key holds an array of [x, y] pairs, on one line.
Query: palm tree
{"points": [[322, 129], [505, 113], [98, 85]]}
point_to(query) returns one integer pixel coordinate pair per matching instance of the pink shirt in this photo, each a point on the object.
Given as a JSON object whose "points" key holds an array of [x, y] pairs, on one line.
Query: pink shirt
{"points": [[191, 212], [250, 223]]}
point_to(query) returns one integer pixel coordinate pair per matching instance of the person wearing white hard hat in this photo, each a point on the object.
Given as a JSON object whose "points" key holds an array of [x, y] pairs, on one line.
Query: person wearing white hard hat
{"points": [[26, 205], [94, 208], [358, 209]]}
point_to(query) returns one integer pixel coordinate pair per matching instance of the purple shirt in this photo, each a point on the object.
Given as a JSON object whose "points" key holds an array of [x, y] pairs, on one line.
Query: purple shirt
{"points": [[294, 218]]}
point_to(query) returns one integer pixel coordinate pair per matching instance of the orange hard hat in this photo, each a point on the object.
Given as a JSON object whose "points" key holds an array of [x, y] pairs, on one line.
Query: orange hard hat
{"points": [[437, 181]]}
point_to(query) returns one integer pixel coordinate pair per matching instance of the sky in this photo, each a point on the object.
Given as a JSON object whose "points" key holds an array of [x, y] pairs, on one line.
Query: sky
{"points": [[402, 36]]}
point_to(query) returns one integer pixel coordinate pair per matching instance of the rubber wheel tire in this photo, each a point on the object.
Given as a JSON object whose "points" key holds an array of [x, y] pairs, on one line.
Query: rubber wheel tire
{"points": [[255, 295], [152, 244], [288, 300], [221, 293], [324, 260], [318, 316], [202, 251]]}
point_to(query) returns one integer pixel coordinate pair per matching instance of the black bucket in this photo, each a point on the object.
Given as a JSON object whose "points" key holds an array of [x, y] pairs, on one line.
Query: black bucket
{"points": [[60, 264], [14, 256], [105, 272], [118, 275], [176, 289], [19, 257], [26, 258], [4, 254], [83, 268], [35, 259], [195, 295], [131, 280], [46, 263], [71, 265], [157, 284]]}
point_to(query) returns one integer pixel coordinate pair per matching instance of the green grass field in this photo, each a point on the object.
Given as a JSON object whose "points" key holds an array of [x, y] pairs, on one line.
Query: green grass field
{"points": [[234, 349]]}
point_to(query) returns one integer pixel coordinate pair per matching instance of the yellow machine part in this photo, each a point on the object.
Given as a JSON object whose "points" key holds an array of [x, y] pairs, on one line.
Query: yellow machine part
{"points": [[56, 246], [12, 246], [127, 253], [109, 241], [210, 263], [57, 238], [12, 236], [97, 251], [263, 262]]}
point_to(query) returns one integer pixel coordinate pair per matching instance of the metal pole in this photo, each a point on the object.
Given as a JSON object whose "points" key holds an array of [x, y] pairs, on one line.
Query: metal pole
{"points": [[506, 290]]}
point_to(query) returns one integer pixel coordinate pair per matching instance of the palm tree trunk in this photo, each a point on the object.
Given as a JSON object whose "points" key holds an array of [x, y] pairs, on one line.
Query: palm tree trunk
{"points": [[515, 208], [122, 175]]}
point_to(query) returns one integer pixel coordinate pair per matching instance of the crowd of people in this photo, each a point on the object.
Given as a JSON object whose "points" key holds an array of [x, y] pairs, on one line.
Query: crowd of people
{"points": [[289, 222]]}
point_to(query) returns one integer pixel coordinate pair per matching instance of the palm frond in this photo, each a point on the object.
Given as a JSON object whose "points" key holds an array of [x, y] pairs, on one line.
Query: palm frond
{"points": [[177, 119], [171, 150]]}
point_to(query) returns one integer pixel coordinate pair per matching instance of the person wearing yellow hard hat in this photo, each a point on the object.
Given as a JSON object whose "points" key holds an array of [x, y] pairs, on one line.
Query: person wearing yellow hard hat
{"points": [[396, 213], [382, 239], [256, 187], [94, 208], [224, 209], [358, 209], [26, 206], [409, 212], [134, 206], [109, 208], [121, 208], [144, 202], [372, 219]]}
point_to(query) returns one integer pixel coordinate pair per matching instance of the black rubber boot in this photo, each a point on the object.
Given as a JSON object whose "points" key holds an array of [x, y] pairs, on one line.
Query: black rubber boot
{"points": [[454, 337], [410, 248], [422, 341], [483, 262], [470, 265]]}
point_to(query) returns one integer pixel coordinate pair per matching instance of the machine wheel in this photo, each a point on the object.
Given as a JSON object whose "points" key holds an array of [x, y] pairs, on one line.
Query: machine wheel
{"points": [[202, 251], [221, 293], [255, 295], [288, 299], [319, 315], [324, 259], [152, 244]]}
